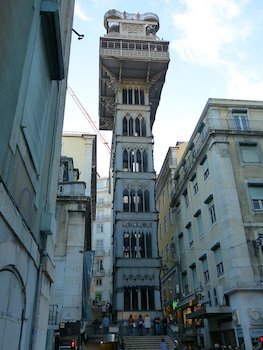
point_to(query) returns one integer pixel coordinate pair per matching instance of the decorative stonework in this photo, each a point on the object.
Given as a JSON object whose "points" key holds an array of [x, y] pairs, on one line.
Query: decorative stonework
{"points": [[109, 104], [106, 123], [137, 224]]}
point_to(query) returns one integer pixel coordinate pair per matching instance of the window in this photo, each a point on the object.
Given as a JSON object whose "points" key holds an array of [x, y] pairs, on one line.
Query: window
{"points": [[185, 282], [181, 244], [249, 152], [99, 228], [190, 234], [219, 262], [99, 245], [205, 270], [100, 214], [100, 201], [195, 188], [98, 282], [199, 223], [205, 169], [256, 195], [212, 213], [194, 275], [240, 119], [186, 198]]}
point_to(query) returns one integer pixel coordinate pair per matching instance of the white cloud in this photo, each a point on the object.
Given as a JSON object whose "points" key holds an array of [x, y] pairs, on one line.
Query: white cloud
{"points": [[245, 85], [208, 29], [79, 12]]}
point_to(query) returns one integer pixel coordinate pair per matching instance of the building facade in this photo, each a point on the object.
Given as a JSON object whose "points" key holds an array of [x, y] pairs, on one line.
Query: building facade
{"points": [[133, 65], [35, 41], [170, 287], [217, 200], [70, 308], [101, 286]]}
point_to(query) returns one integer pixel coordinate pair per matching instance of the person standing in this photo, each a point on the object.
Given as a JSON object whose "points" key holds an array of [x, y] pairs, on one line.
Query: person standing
{"points": [[140, 325], [164, 324], [157, 325], [147, 324], [105, 324], [131, 324], [163, 345]]}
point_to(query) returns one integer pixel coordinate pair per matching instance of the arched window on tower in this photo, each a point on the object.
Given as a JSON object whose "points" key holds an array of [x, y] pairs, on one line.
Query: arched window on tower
{"points": [[131, 160], [143, 126], [136, 96], [146, 201], [137, 127], [142, 97], [149, 244], [130, 126], [142, 245], [130, 96], [125, 164], [124, 127], [145, 161], [138, 161], [140, 201], [124, 96], [125, 201], [133, 199]]}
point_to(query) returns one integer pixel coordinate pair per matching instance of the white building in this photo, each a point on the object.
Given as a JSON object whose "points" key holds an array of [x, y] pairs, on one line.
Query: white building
{"points": [[217, 197], [35, 44], [101, 287]]}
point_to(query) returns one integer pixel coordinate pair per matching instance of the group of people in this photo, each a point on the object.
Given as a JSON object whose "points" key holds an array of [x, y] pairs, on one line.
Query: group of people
{"points": [[159, 326]]}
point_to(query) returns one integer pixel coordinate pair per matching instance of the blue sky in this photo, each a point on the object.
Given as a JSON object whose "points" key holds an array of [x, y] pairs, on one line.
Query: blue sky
{"points": [[216, 50]]}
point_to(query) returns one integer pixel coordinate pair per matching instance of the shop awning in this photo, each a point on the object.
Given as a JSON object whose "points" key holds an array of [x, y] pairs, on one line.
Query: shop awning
{"points": [[209, 312]]}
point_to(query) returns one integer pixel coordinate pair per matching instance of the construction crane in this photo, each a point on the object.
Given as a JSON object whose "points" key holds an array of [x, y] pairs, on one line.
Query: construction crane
{"points": [[88, 117]]}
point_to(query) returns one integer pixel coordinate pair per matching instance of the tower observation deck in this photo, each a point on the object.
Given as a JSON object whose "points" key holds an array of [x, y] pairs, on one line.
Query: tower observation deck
{"points": [[130, 50], [133, 66]]}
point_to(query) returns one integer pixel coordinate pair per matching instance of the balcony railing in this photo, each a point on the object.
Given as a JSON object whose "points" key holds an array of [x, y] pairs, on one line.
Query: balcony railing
{"points": [[213, 125]]}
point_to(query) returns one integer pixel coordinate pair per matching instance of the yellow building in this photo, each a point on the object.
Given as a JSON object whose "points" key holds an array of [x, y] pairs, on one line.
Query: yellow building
{"points": [[166, 228]]}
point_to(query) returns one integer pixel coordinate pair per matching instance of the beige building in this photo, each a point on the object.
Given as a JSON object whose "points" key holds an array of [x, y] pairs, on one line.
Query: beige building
{"points": [[166, 228], [218, 203]]}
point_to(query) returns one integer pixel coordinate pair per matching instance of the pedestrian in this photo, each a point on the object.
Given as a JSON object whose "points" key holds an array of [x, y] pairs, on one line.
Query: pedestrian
{"points": [[147, 324], [164, 324], [105, 324], [96, 325], [163, 345], [131, 324], [140, 323], [157, 325]]}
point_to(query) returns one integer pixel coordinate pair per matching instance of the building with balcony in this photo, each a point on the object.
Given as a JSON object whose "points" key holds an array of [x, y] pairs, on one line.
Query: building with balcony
{"points": [[133, 65], [35, 39], [217, 198], [170, 287]]}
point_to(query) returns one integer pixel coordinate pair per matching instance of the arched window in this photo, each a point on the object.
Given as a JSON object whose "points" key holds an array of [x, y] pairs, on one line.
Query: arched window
{"points": [[124, 127], [130, 97], [131, 160], [133, 201], [125, 164], [142, 97], [140, 201], [149, 245], [136, 96], [124, 96], [143, 126], [142, 245], [138, 161], [146, 201], [137, 127], [125, 200], [130, 127], [145, 161]]}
